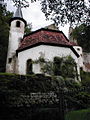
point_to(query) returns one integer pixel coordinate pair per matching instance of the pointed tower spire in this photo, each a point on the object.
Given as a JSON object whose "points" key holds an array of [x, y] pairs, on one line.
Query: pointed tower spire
{"points": [[18, 12], [18, 15]]}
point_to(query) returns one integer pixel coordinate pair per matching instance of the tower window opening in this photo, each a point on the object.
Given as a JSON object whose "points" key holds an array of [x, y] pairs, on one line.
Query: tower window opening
{"points": [[9, 60], [18, 24]]}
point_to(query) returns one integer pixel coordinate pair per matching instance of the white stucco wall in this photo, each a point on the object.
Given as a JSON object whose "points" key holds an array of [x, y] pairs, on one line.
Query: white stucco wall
{"points": [[80, 52], [15, 35], [86, 57], [47, 52], [86, 60]]}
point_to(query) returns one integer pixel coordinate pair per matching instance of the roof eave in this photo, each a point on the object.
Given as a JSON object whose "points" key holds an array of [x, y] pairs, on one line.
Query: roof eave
{"points": [[51, 44], [17, 18]]}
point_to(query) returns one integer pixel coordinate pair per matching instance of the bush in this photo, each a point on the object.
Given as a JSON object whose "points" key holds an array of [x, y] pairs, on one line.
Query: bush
{"points": [[85, 79], [78, 115]]}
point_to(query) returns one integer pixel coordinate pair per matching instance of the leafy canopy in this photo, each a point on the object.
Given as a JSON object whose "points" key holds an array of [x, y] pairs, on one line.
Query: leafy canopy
{"points": [[65, 67], [82, 35], [63, 11], [4, 31], [28, 28]]}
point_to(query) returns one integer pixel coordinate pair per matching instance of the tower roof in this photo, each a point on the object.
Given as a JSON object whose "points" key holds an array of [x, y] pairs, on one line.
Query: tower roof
{"points": [[18, 15], [18, 12]]}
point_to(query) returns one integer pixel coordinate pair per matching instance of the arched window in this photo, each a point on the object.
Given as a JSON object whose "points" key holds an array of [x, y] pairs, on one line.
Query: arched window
{"points": [[18, 24], [29, 66]]}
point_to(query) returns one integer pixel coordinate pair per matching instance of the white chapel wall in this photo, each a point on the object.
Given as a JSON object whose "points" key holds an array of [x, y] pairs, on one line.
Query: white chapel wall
{"points": [[48, 52], [80, 52]]}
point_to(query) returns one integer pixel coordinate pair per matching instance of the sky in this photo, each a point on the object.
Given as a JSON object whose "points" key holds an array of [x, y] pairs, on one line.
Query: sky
{"points": [[34, 15]]}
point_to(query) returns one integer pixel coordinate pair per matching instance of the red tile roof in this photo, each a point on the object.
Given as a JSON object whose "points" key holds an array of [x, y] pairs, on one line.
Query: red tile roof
{"points": [[44, 36], [74, 44]]}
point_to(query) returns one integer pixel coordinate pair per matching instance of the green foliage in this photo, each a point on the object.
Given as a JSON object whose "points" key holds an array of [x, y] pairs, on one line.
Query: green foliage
{"points": [[7, 74], [62, 11], [4, 31], [65, 67], [85, 78], [40, 60], [77, 95], [84, 99], [58, 82], [47, 68], [28, 28], [47, 114], [82, 35], [22, 3], [69, 67], [78, 115], [57, 65], [14, 87], [29, 83], [71, 84]]}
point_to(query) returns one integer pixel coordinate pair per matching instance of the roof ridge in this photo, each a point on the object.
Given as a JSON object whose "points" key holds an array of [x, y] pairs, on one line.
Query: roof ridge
{"points": [[49, 30]]}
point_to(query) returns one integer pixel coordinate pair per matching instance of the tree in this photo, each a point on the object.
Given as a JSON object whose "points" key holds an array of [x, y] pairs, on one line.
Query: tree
{"points": [[4, 31], [82, 35], [65, 67], [63, 11], [22, 3], [28, 28]]}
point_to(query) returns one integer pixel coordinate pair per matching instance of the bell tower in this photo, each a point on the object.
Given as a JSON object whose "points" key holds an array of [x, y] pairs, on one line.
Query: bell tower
{"points": [[16, 33]]}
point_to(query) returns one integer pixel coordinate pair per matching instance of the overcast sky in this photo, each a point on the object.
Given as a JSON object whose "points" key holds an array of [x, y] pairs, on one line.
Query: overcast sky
{"points": [[34, 15]]}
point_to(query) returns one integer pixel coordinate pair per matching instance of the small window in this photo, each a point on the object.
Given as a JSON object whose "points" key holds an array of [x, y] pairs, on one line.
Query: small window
{"points": [[81, 55], [78, 49], [29, 66], [18, 24], [81, 68], [9, 60], [20, 39]]}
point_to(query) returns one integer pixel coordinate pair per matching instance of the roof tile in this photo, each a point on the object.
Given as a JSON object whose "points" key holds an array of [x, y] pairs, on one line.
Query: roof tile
{"points": [[45, 36]]}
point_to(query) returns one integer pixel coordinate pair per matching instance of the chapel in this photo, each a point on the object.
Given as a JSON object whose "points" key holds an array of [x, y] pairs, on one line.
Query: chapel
{"points": [[44, 43]]}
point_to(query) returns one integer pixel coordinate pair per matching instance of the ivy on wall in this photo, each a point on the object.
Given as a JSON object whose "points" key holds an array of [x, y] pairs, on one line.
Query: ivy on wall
{"points": [[65, 66]]}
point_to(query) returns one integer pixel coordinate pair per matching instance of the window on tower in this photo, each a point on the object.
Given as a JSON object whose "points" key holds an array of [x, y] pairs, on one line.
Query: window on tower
{"points": [[9, 60], [18, 24]]}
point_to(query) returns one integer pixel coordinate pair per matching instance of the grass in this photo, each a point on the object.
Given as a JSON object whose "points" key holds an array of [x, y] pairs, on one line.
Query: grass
{"points": [[78, 115], [7, 74]]}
